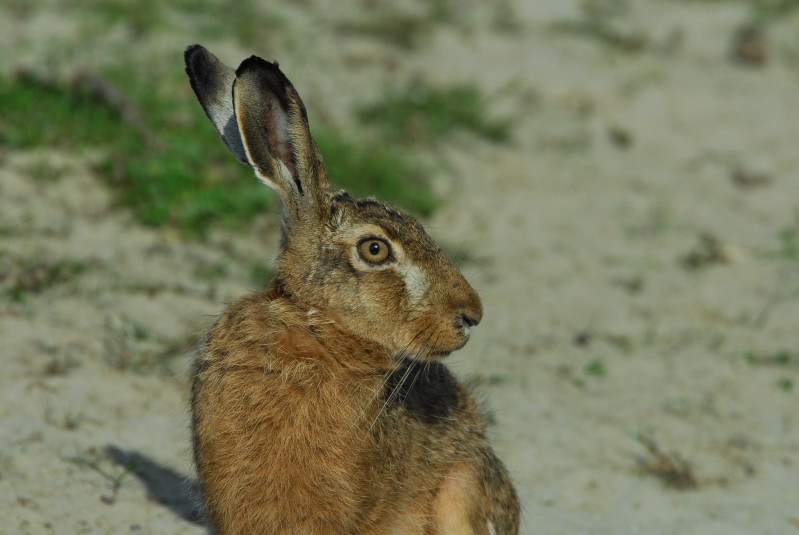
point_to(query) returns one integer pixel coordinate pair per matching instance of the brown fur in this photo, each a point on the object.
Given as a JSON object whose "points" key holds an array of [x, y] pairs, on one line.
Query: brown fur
{"points": [[319, 406]]}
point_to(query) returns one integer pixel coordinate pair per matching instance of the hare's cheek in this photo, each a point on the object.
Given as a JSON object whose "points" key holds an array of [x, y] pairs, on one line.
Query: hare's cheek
{"points": [[417, 283]]}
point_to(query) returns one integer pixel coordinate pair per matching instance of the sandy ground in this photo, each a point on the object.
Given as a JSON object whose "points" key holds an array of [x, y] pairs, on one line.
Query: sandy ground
{"points": [[626, 168]]}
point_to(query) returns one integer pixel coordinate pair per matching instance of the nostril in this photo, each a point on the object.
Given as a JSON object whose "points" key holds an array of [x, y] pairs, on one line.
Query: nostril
{"points": [[468, 321]]}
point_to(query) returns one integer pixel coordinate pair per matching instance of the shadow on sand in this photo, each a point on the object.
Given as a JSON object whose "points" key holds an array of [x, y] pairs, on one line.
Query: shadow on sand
{"points": [[177, 492]]}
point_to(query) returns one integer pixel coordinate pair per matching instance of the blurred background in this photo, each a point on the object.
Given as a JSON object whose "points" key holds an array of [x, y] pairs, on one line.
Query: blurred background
{"points": [[619, 181]]}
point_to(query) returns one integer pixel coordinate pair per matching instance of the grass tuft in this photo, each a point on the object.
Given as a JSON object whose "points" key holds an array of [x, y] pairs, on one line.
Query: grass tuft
{"points": [[164, 160], [100, 463], [423, 115], [596, 367], [671, 469], [34, 112], [23, 277], [778, 358], [375, 168]]}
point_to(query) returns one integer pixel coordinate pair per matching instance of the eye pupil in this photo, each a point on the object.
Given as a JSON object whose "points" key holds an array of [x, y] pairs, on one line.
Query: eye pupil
{"points": [[374, 250]]}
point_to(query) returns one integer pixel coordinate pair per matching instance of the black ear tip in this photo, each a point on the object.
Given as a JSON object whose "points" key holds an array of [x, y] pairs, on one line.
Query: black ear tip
{"points": [[257, 63], [191, 52]]}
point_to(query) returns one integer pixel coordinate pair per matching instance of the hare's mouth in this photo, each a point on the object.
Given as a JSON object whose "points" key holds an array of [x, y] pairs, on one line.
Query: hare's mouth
{"points": [[435, 354], [433, 341]]}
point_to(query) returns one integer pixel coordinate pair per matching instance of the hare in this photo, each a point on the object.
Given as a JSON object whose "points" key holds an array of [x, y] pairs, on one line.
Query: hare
{"points": [[321, 406]]}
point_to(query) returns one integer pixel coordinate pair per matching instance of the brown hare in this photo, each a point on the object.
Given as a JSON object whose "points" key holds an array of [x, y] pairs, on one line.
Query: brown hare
{"points": [[321, 406]]}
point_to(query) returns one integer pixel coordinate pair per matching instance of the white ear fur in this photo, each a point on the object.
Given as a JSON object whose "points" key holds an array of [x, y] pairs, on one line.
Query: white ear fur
{"points": [[261, 119], [212, 82], [274, 129], [263, 123]]}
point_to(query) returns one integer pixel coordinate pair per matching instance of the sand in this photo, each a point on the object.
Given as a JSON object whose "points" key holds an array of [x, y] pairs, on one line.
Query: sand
{"points": [[632, 244]]}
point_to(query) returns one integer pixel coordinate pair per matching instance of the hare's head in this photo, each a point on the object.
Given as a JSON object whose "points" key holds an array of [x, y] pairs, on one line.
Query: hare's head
{"points": [[369, 265]]}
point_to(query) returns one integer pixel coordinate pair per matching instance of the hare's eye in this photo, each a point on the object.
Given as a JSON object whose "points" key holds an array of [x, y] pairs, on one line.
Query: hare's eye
{"points": [[374, 250]]}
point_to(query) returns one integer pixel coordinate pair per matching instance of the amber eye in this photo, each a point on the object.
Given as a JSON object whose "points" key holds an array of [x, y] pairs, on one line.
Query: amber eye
{"points": [[374, 250]]}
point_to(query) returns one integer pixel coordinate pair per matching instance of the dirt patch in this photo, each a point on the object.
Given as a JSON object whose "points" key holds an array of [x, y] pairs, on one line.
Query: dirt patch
{"points": [[635, 245]]}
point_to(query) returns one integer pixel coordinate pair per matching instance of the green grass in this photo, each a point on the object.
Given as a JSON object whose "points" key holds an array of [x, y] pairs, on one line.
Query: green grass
{"points": [[765, 12], [401, 30], [164, 160], [596, 367], [36, 113], [762, 11], [130, 346], [785, 384], [405, 30], [22, 277], [672, 469], [598, 21], [261, 274], [242, 20], [789, 243], [778, 358], [100, 463], [142, 16], [419, 114], [376, 168]]}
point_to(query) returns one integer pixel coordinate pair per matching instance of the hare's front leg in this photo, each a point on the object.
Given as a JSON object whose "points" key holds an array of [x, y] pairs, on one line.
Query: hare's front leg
{"points": [[476, 500]]}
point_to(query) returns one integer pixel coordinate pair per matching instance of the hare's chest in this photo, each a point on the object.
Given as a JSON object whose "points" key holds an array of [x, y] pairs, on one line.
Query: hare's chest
{"points": [[427, 391]]}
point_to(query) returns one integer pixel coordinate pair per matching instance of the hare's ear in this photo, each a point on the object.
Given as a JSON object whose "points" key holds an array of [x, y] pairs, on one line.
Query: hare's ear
{"points": [[273, 125], [212, 82]]}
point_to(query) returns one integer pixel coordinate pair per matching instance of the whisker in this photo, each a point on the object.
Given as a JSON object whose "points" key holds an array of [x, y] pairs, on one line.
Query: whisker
{"points": [[419, 370], [393, 394], [402, 354], [409, 367]]}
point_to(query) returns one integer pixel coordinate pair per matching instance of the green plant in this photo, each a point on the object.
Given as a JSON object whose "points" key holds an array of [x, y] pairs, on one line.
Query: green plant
{"points": [[419, 114], [768, 11], [21, 277], [370, 167], [261, 273], [97, 462], [708, 251], [778, 358], [789, 243], [786, 384], [60, 365], [402, 28], [35, 112], [69, 419], [596, 367], [599, 21], [212, 271], [142, 16], [165, 162], [124, 348], [671, 469]]}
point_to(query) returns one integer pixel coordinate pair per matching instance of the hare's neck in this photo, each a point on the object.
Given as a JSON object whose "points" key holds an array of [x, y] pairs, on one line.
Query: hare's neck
{"points": [[344, 348], [276, 290]]}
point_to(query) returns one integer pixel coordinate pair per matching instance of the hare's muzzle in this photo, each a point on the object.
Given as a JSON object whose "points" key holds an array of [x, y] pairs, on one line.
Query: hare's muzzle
{"points": [[467, 308], [468, 321]]}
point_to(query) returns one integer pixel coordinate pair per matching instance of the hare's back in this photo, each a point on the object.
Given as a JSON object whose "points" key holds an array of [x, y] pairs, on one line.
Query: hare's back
{"points": [[273, 416]]}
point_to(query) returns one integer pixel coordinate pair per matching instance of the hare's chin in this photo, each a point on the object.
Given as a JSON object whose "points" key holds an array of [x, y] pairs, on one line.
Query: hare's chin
{"points": [[434, 355]]}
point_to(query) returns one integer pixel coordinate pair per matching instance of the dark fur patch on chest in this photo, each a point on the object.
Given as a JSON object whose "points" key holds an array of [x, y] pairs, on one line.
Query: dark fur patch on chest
{"points": [[426, 389]]}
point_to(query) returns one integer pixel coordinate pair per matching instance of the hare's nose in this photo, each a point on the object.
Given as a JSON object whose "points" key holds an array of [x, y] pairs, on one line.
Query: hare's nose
{"points": [[471, 311], [469, 321]]}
